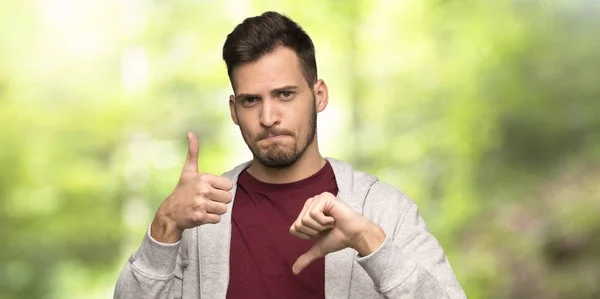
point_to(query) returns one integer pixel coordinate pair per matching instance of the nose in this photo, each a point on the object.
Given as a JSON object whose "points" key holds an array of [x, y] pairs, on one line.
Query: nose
{"points": [[269, 115]]}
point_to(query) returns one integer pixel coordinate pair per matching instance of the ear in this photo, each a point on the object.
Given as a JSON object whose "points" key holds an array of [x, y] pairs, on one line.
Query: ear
{"points": [[321, 95], [232, 110]]}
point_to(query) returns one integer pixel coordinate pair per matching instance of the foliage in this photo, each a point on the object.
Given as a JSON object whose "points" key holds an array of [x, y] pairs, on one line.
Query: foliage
{"points": [[484, 112]]}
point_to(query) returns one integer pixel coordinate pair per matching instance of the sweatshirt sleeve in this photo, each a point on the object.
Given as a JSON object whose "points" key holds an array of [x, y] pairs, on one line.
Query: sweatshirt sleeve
{"points": [[150, 271], [411, 263]]}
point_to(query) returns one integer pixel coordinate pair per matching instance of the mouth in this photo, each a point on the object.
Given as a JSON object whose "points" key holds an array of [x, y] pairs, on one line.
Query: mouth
{"points": [[272, 137]]}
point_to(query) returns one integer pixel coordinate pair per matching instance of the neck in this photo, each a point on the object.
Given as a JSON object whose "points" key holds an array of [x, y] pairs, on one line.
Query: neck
{"points": [[308, 164]]}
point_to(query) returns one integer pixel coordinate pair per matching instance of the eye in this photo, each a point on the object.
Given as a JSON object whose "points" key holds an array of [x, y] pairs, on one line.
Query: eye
{"points": [[286, 94], [249, 101]]}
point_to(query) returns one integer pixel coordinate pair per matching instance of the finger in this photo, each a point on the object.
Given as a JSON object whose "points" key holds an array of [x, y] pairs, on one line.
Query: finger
{"points": [[322, 207], [300, 235], [221, 196], [191, 162], [309, 222], [220, 182], [328, 201], [307, 205], [214, 207], [313, 216], [304, 230], [212, 218], [304, 260], [321, 219]]}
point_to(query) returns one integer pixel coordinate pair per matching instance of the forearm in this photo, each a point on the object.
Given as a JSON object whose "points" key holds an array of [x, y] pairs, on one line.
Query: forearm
{"points": [[149, 272], [410, 263], [397, 275], [133, 283]]}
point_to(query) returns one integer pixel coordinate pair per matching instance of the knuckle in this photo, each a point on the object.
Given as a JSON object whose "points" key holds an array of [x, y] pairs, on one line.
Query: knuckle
{"points": [[314, 213], [296, 225], [198, 217], [326, 195], [200, 203], [304, 221], [203, 189], [222, 209], [204, 178]]}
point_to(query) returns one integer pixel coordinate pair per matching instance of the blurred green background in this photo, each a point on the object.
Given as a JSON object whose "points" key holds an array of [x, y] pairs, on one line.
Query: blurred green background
{"points": [[487, 113]]}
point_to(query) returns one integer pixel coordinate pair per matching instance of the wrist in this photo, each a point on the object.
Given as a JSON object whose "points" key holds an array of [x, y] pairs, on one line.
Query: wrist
{"points": [[164, 230], [369, 240]]}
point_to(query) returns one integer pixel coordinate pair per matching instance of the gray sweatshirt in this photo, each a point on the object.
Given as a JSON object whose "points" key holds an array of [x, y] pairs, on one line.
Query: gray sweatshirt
{"points": [[409, 264]]}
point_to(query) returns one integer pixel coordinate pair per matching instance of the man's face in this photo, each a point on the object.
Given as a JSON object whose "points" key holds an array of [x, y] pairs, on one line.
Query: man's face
{"points": [[274, 107]]}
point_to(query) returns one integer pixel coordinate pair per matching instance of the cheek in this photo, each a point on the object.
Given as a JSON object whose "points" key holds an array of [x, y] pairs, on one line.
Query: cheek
{"points": [[245, 123], [300, 117]]}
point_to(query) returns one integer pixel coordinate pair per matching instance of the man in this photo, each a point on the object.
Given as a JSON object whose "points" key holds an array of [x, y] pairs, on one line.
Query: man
{"points": [[289, 223]]}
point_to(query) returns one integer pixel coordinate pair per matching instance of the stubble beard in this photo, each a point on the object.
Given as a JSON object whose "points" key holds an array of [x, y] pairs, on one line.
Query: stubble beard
{"points": [[277, 155]]}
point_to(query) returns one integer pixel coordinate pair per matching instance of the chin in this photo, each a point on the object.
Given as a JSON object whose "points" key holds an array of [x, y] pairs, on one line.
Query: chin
{"points": [[279, 159], [278, 164]]}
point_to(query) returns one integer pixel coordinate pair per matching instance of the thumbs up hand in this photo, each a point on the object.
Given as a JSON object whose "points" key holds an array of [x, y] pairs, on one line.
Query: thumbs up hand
{"points": [[198, 198], [334, 226]]}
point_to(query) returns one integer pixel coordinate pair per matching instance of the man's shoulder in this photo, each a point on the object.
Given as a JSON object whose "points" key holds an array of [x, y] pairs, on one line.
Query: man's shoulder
{"points": [[234, 172], [384, 191], [386, 205], [377, 193]]}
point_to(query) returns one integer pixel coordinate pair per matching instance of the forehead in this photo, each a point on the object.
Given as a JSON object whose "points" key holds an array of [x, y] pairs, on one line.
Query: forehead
{"points": [[281, 67]]}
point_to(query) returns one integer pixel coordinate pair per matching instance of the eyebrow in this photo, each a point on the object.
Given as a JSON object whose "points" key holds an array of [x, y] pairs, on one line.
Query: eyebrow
{"points": [[242, 96], [285, 88], [276, 90]]}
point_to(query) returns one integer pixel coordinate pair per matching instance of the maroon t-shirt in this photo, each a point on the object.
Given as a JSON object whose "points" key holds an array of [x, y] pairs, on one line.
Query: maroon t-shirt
{"points": [[262, 249]]}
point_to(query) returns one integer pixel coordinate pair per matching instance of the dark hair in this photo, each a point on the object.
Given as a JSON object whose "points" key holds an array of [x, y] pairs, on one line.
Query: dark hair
{"points": [[260, 35]]}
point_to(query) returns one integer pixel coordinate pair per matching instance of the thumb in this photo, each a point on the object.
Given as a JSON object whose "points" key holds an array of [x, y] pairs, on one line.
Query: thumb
{"points": [[191, 162], [304, 260]]}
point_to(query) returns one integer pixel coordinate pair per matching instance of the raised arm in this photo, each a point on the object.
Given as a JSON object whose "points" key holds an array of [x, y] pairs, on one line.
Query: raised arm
{"points": [[153, 271]]}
